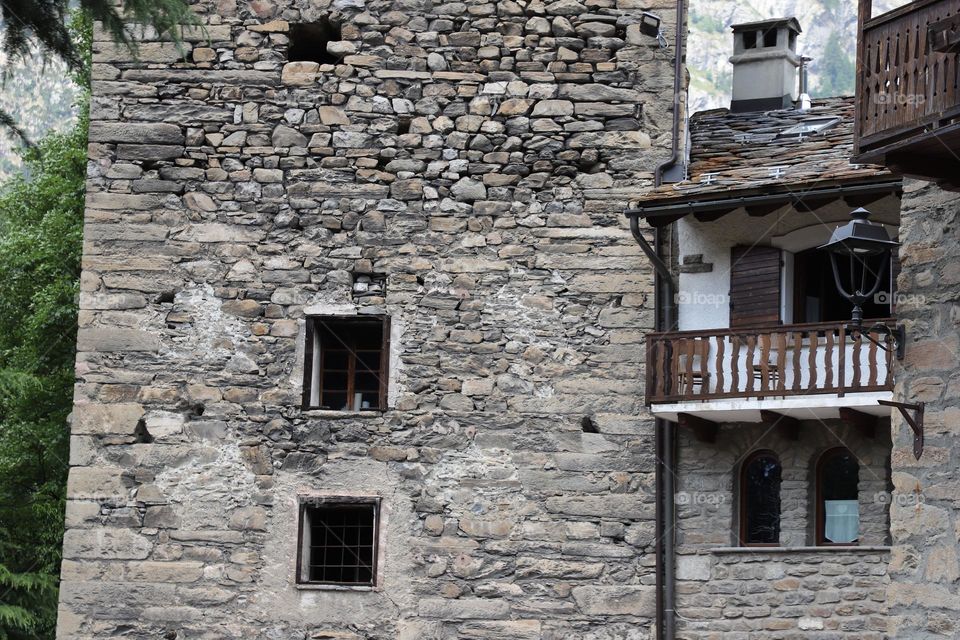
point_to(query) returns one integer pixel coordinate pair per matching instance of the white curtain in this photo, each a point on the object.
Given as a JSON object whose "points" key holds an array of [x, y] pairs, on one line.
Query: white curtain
{"points": [[841, 520]]}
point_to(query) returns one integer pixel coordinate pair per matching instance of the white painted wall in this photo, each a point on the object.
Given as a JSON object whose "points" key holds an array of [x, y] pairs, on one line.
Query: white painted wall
{"points": [[704, 297]]}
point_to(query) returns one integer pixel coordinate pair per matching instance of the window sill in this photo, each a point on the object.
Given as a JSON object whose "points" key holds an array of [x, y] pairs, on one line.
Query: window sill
{"points": [[306, 586], [823, 549], [336, 414]]}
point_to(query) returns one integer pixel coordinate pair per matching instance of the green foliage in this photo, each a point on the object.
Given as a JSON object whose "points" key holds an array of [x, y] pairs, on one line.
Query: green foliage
{"points": [[836, 70], [41, 222], [47, 24]]}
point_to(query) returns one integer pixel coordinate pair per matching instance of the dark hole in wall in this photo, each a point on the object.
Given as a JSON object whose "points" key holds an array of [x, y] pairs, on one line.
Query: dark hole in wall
{"points": [[749, 39], [770, 38], [403, 125], [308, 41], [587, 425], [140, 433], [165, 297], [197, 410]]}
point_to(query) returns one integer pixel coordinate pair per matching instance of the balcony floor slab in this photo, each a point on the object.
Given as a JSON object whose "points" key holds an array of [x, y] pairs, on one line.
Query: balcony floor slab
{"points": [[810, 407]]}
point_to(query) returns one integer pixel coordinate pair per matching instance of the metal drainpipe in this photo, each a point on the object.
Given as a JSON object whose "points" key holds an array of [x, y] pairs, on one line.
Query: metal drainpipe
{"points": [[665, 434], [677, 86], [665, 448]]}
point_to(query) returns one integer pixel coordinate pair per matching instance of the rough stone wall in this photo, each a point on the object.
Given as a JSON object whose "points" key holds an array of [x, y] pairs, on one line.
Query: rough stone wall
{"points": [[924, 593], [795, 590], [231, 194]]}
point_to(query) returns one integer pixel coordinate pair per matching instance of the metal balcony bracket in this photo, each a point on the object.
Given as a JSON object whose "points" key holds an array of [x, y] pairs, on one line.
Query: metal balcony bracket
{"points": [[703, 430], [913, 414]]}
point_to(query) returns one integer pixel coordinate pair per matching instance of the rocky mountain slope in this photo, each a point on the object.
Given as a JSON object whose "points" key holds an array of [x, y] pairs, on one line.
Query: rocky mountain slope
{"points": [[829, 37], [40, 97]]}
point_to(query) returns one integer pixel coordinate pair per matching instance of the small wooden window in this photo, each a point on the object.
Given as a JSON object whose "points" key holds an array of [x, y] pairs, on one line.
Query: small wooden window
{"points": [[346, 363], [838, 498], [338, 541], [760, 478]]}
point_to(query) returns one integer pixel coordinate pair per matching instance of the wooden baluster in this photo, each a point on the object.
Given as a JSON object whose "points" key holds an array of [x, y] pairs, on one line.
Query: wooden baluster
{"points": [[857, 342], [812, 359], [735, 364], [872, 364], [764, 362], [678, 383], [828, 360], [842, 353], [704, 369], [652, 377], [691, 349], [781, 361], [751, 344], [797, 355], [719, 364]]}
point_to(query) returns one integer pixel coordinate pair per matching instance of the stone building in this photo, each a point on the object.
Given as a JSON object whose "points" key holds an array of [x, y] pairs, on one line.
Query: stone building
{"points": [[360, 270], [368, 349]]}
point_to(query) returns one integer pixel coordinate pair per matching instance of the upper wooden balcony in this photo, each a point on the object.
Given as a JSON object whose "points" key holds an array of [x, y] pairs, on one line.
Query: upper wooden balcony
{"points": [[908, 98], [802, 364]]}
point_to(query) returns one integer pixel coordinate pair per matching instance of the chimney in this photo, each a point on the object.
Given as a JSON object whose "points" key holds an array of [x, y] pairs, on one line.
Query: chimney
{"points": [[765, 63]]}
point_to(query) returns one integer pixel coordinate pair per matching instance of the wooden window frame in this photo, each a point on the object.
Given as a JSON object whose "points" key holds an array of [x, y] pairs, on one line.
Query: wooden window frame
{"points": [[313, 366], [820, 516], [303, 563], [742, 533]]}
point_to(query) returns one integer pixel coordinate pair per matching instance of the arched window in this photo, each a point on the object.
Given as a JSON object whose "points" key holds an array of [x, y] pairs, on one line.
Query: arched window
{"points": [[760, 499], [838, 504]]}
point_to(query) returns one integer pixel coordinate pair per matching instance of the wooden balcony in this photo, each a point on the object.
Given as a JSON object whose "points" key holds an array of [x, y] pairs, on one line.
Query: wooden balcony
{"points": [[908, 98], [769, 362]]}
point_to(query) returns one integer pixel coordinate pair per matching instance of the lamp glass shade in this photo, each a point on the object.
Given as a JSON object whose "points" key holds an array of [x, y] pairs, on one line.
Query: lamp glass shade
{"points": [[860, 237]]}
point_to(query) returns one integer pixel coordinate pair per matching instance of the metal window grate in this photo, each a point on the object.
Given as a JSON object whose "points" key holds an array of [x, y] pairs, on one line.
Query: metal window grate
{"points": [[341, 543]]}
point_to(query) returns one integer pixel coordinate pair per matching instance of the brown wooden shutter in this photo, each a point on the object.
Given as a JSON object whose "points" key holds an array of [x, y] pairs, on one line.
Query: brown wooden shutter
{"points": [[754, 286]]}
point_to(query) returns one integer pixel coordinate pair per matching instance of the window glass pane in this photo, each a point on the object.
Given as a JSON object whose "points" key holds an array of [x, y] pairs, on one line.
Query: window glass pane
{"points": [[839, 494], [333, 400], [761, 496], [335, 359], [368, 361]]}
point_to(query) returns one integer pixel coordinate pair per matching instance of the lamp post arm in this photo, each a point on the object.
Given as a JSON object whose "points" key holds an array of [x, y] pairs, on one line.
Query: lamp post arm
{"points": [[836, 277], [876, 285]]}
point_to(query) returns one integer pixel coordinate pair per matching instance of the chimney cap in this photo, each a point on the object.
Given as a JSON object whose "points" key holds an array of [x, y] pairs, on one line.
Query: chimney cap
{"points": [[790, 22]]}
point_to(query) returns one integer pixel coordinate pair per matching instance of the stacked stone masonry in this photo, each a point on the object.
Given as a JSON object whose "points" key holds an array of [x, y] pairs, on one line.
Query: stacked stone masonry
{"points": [[480, 155], [924, 592]]}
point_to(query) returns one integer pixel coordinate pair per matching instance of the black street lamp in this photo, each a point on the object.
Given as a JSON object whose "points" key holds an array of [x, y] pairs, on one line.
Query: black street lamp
{"points": [[854, 242]]}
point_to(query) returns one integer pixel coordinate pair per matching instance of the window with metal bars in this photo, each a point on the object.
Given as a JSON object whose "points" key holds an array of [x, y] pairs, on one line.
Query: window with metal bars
{"points": [[346, 363], [338, 541]]}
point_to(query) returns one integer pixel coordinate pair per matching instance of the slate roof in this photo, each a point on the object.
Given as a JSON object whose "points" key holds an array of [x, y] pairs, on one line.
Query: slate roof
{"points": [[741, 154]]}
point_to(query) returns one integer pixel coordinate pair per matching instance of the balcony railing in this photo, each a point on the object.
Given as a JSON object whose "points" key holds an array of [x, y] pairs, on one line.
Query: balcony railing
{"points": [[788, 360], [908, 98]]}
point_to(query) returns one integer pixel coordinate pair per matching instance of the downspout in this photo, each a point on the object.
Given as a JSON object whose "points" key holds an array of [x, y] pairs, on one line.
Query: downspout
{"points": [[664, 318], [671, 163], [664, 302]]}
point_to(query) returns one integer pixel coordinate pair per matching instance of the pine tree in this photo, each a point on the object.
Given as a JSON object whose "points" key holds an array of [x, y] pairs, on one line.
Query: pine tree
{"points": [[45, 23], [836, 70]]}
